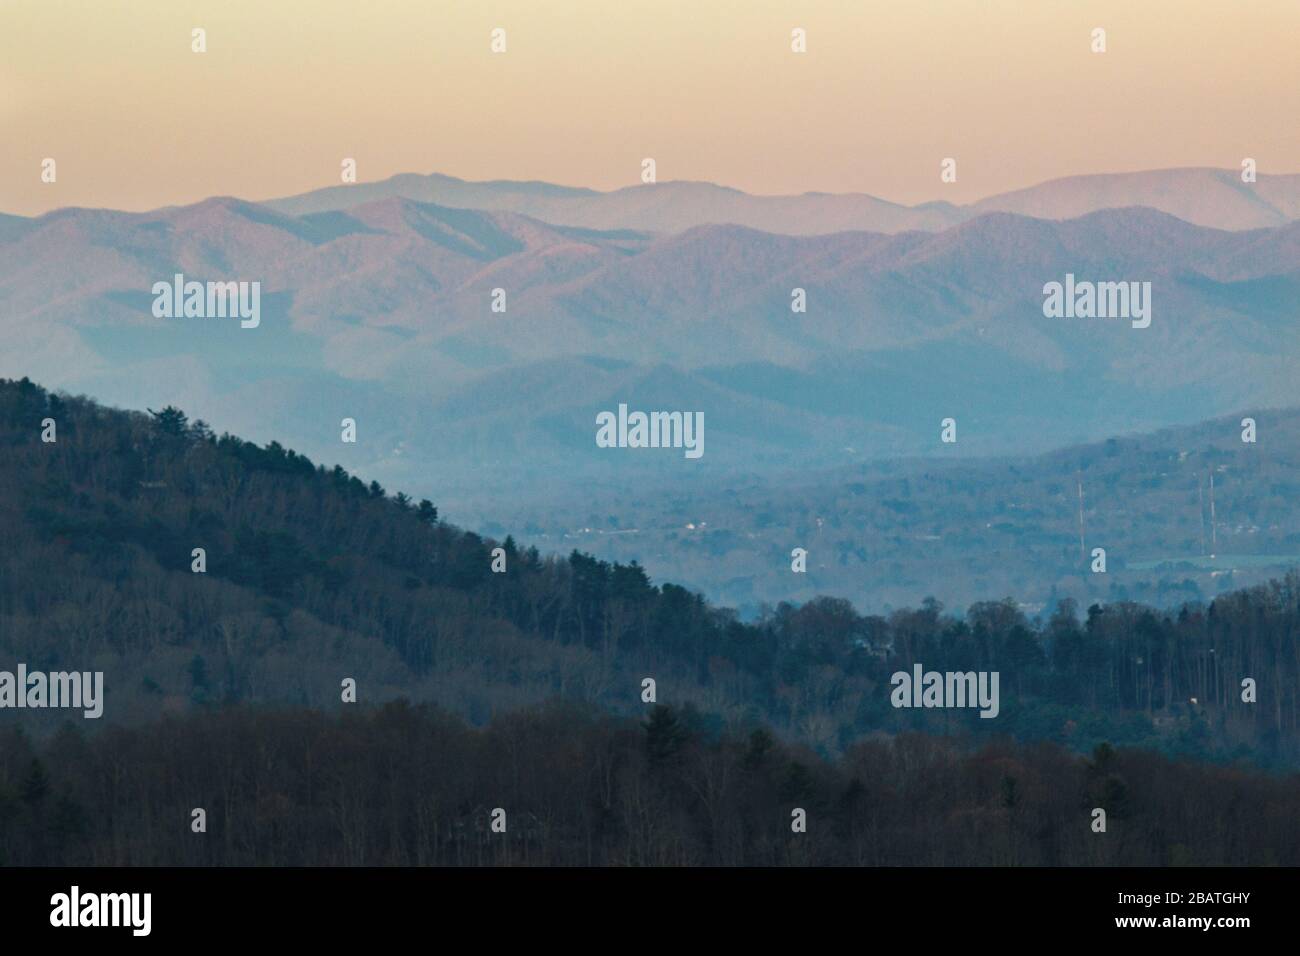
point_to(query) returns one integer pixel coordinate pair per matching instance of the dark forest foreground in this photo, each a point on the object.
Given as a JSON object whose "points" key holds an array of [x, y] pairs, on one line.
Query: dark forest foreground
{"points": [[405, 785]]}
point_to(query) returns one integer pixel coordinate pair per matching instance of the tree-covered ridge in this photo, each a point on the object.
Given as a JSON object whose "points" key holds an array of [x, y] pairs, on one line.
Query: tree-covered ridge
{"points": [[313, 575]]}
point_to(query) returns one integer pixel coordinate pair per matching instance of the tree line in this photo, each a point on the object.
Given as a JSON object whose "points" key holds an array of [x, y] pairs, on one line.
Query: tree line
{"points": [[411, 785]]}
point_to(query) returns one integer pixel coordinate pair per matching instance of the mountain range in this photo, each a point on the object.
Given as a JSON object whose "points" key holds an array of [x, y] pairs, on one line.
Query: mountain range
{"points": [[1206, 197], [383, 312]]}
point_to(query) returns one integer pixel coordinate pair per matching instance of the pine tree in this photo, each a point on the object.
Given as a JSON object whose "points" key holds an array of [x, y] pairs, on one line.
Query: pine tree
{"points": [[171, 421], [664, 734]]}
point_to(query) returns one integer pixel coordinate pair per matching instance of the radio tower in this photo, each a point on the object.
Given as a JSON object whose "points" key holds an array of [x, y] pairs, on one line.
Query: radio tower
{"points": [[1200, 508], [1083, 555], [1214, 531]]}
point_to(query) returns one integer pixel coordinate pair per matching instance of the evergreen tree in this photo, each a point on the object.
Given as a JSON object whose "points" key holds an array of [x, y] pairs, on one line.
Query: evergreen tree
{"points": [[664, 734], [171, 421]]}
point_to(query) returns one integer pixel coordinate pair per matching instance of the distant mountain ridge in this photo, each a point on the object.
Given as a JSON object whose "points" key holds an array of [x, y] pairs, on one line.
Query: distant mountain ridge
{"points": [[383, 312], [1203, 196]]}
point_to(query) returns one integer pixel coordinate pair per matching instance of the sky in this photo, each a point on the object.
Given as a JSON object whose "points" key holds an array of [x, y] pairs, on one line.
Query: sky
{"points": [[586, 89]]}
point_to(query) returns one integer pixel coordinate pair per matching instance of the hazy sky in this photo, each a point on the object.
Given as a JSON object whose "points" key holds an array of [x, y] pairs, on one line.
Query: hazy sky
{"points": [[287, 88]]}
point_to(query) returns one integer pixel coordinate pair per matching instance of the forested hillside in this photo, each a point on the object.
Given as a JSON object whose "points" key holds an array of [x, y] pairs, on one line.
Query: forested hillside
{"points": [[313, 576]]}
